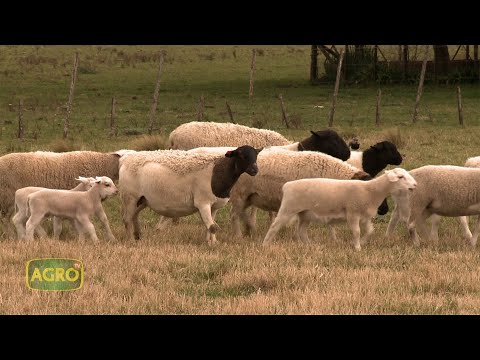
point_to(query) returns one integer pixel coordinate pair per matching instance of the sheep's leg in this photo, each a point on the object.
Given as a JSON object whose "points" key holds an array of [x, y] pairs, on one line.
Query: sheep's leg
{"points": [[281, 220], [238, 209], [130, 212], [213, 237], [32, 223], [401, 212], [271, 216], [333, 233], [368, 227], [434, 228], [205, 211], [253, 216], [40, 231], [466, 230], [415, 217], [104, 220], [476, 232], [354, 224], [163, 222], [302, 229], [80, 231]]}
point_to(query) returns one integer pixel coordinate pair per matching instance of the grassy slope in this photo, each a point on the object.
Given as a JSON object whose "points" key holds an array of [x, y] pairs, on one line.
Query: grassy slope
{"points": [[174, 272]]}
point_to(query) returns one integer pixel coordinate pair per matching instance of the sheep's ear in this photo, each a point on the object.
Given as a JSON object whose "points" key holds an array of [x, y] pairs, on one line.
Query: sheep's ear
{"points": [[378, 146], [391, 175], [258, 150], [230, 153], [314, 133]]}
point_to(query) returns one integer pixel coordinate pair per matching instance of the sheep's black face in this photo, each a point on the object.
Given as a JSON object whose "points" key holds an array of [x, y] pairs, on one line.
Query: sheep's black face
{"points": [[245, 159], [328, 142], [388, 152]]}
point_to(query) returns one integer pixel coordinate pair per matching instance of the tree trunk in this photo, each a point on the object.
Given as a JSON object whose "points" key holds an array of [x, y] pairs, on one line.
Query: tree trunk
{"points": [[314, 64], [442, 59]]}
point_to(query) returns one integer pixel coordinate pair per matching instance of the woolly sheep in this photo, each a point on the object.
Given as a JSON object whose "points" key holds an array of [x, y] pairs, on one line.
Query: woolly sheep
{"points": [[275, 169], [374, 160], [177, 183], [49, 170], [328, 200], [77, 205], [21, 216], [444, 190]]}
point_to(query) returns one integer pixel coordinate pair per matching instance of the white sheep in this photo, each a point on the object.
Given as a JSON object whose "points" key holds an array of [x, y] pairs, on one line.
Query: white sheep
{"points": [[275, 169], [197, 134], [331, 200], [21, 216], [176, 183], [76, 205], [49, 170], [443, 190]]}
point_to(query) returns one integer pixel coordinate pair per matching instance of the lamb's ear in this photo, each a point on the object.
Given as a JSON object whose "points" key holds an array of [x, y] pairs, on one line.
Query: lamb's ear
{"points": [[258, 150], [391, 175]]}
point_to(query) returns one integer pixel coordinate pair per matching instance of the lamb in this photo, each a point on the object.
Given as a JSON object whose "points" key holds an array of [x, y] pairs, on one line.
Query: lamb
{"points": [[76, 205], [444, 190], [21, 216], [374, 160], [177, 183], [49, 170], [331, 200], [197, 134], [276, 168]]}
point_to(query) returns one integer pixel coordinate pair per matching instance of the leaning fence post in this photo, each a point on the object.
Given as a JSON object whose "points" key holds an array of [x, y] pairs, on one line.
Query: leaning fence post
{"points": [[153, 110], [70, 97], [335, 92], [20, 120], [420, 85], [460, 109], [284, 111], [252, 72], [377, 113]]}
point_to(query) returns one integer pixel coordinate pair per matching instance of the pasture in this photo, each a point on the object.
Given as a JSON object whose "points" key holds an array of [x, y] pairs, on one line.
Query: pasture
{"points": [[173, 271]]}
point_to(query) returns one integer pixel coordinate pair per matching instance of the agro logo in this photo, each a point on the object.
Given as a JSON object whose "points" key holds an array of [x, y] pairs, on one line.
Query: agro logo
{"points": [[54, 274]]}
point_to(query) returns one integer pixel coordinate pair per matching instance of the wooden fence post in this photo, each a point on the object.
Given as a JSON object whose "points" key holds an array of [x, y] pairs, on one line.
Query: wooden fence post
{"points": [[153, 110], [377, 113], [420, 85], [113, 127], [284, 112], [201, 107], [460, 109], [70, 97], [20, 120], [229, 110], [252, 72], [335, 92], [314, 64]]}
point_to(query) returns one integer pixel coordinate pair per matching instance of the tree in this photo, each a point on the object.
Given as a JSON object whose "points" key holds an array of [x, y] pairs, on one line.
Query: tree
{"points": [[442, 59]]}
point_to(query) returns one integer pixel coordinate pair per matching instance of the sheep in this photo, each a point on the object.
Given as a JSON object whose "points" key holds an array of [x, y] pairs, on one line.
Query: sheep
{"points": [[444, 190], [331, 200], [49, 170], [210, 134], [196, 134], [21, 216], [76, 205], [276, 168], [176, 183], [354, 144], [374, 160]]}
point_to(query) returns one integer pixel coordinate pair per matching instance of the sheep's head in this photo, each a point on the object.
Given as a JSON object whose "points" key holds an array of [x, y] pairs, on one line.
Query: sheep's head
{"points": [[245, 159], [354, 144], [107, 187], [388, 152], [402, 178], [328, 142]]}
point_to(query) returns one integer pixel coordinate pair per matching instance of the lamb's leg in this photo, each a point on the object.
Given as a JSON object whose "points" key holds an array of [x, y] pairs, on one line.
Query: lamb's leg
{"points": [[401, 212], [80, 231], [104, 220], [253, 216], [19, 220], [368, 227], [88, 226], [206, 214], [476, 232], [281, 220], [466, 230], [57, 227], [354, 225], [333, 233], [303, 227], [163, 222], [32, 223]]}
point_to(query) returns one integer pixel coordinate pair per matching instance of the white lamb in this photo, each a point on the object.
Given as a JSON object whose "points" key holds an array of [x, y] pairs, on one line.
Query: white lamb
{"points": [[76, 205], [21, 216], [331, 200]]}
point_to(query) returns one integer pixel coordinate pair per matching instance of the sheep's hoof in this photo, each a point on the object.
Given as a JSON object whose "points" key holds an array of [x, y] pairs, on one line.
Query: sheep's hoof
{"points": [[213, 228]]}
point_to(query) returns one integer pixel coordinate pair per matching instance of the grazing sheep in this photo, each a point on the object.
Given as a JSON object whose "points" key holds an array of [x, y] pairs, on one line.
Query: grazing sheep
{"points": [[197, 134], [75, 205], [443, 190], [328, 200], [354, 144], [49, 170], [177, 183], [21, 216], [276, 168], [374, 160]]}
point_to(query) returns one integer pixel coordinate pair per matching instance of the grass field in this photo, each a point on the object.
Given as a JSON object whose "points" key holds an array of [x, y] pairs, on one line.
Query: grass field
{"points": [[174, 271]]}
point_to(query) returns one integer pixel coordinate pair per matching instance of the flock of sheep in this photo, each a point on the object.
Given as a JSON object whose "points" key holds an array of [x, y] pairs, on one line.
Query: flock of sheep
{"points": [[317, 179]]}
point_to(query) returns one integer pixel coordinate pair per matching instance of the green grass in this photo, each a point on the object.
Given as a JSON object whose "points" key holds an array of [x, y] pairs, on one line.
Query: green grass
{"points": [[174, 271]]}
